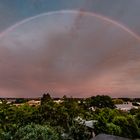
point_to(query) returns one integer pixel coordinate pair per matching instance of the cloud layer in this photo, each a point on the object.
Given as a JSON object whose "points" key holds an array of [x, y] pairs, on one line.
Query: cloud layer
{"points": [[69, 53]]}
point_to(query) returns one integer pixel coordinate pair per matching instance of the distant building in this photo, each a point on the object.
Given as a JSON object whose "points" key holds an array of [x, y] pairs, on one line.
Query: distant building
{"points": [[126, 106], [8, 101], [58, 101], [34, 102]]}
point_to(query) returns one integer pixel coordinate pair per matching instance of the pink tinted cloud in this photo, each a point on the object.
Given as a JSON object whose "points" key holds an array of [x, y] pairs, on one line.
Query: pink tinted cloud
{"points": [[48, 53]]}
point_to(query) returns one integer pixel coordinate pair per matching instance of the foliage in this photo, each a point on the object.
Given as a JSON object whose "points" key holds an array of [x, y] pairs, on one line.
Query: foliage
{"points": [[45, 98], [116, 123], [118, 101], [78, 132], [102, 101], [134, 111], [113, 129], [135, 104], [36, 132], [33, 122], [128, 126], [20, 100]]}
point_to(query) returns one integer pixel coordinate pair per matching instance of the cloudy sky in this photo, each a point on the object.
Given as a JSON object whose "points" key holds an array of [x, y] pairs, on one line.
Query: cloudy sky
{"points": [[73, 47]]}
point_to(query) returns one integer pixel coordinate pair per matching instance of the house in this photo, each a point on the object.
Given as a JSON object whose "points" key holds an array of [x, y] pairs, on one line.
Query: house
{"points": [[108, 137], [58, 101], [126, 107], [89, 124], [33, 102]]}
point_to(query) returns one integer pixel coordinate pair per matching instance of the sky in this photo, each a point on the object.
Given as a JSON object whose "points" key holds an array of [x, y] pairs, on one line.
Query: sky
{"points": [[75, 47]]}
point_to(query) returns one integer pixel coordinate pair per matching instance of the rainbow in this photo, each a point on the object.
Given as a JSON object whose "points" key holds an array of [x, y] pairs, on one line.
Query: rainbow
{"points": [[73, 12]]}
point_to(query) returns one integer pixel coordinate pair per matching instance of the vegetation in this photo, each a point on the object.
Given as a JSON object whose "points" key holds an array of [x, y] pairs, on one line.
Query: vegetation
{"points": [[57, 121], [36, 131]]}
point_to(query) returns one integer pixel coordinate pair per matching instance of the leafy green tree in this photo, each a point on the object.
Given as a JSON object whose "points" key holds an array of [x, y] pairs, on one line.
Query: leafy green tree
{"points": [[137, 118], [36, 132], [79, 132], [20, 100], [113, 129], [7, 116], [134, 111], [107, 113], [28, 120], [135, 104], [104, 122], [45, 98], [71, 106], [102, 101], [25, 114], [128, 126], [118, 101], [100, 126]]}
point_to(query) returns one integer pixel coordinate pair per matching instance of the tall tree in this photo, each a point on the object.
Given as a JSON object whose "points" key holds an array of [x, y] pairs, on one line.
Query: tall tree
{"points": [[102, 101], [45, 98]]}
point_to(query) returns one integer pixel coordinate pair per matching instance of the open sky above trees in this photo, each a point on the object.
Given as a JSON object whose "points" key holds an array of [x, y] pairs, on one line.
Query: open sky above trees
{"points": [[78, 48]]}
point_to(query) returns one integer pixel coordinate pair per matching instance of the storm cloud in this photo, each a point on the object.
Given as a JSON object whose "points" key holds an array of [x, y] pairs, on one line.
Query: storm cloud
{"points": [[72, 53]]}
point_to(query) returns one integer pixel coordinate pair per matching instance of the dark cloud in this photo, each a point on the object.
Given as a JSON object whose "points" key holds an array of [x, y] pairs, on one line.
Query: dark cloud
{"points": [[68, 53]]}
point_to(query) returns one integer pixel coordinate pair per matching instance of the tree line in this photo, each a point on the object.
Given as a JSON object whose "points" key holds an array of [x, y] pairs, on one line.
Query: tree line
{"points": [[56, 121]]}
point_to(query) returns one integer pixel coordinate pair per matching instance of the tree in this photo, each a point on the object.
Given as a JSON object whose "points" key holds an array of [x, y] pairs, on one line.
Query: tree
{"points": [[128, 126], [101, 125], [20, 100], [118, 101], [135, 104], [79, 132], [134, 111], [45, 98], [36, 132], [104, 122], [113, 129], [137, 118], [6, 116], [102, 101]]}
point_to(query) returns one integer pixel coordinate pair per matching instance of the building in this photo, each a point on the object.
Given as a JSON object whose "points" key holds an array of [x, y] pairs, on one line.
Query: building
{"points": [[89, 124], [126, 106], [34, 102], [108, 137]]}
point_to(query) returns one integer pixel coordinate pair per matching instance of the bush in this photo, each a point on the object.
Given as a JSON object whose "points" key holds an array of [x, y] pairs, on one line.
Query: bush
{"points": [[113, 129], [36, 132]]}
